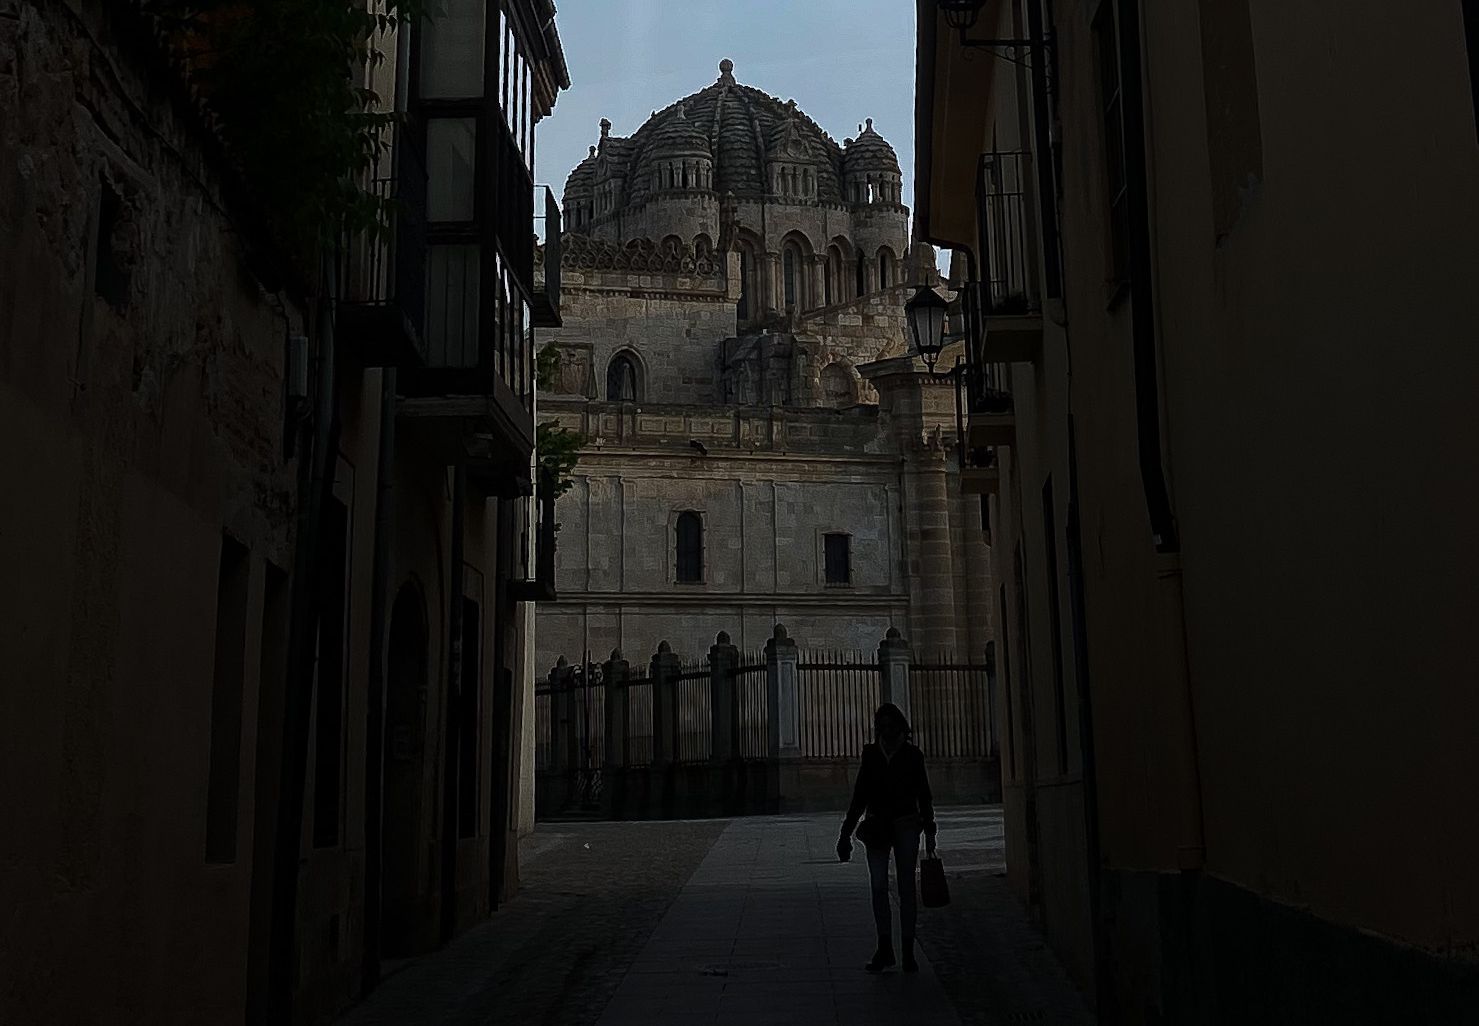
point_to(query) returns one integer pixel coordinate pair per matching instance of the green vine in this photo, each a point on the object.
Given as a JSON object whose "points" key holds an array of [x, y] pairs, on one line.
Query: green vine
{"points": [[284, 80], [558, 447]]}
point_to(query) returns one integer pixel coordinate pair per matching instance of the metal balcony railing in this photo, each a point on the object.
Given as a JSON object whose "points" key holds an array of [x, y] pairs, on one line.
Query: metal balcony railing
{"points": [[383, 270], [1003, 227], [548, 228]]}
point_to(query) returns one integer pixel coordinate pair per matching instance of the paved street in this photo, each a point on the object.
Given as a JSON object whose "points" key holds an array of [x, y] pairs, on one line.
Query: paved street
{"points": [[749, 921]]}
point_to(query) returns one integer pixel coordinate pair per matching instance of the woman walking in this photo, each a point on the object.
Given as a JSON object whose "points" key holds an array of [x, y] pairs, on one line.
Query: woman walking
{"points": [[895, 790]]}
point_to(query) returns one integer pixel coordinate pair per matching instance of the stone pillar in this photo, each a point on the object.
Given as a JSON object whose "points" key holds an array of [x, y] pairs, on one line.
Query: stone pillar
{"points": [[784, 700], [724, 700], [770, 277], [817, 293], [933, 557], [615, 672], [893, 668], [563, 726], [665, 670]]}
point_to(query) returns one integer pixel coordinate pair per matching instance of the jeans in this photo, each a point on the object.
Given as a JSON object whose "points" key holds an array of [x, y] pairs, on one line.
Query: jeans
{"points": [[905, 850]]}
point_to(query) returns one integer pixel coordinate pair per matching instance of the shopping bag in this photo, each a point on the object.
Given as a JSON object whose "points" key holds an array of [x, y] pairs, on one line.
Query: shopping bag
{"points": [[934, 891]]}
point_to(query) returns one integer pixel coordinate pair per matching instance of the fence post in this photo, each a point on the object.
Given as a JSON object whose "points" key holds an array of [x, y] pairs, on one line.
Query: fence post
{"points": [[781, 658], [562, 716], [665, 670], [615, 672], [893, 668], [723, 659]]}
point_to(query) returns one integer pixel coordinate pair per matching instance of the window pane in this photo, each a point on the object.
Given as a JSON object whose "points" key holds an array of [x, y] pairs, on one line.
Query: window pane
{"points": [[452, 284], [451, 165], [452, 50], [837, 559], [690, 548]]}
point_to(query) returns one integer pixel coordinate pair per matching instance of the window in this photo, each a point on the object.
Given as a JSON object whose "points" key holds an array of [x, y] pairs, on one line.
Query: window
{"points": [[453, 289], [885, 269], [469, 713], [690, 539], [110, 277], [1106, 42], [223, 787], [452, 51], [789, 261], [747, 265], [1471, 36], [862, 278], [451, 148], [621, 379], [837, 558], [329, 677]]}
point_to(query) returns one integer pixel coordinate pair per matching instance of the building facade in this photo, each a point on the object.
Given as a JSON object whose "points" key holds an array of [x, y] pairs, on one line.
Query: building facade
{"points": [[270, 586], [1226, 380], [756, 449]]}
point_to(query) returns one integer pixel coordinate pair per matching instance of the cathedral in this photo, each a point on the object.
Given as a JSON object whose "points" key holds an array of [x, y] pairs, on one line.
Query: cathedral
{"points": [[758, 449]]}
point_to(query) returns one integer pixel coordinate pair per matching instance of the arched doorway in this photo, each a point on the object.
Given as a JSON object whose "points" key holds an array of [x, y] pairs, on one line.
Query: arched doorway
{"points": [[405, 744]]}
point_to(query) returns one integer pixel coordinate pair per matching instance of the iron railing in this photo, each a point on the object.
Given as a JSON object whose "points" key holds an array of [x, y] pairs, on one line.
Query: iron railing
{"points": [[951, 704], [838, 694], [1003, 211]]}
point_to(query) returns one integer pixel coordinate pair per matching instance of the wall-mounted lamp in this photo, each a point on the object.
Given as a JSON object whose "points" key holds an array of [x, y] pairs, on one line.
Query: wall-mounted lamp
{"points": [[961, 15]]}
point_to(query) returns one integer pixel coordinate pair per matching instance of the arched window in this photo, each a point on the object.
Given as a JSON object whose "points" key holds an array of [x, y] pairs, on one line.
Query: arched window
{"points": [[837, 385], [862, 278], [885, 269], [690, 541], [789, 261], [621, 379], [744, 300]]}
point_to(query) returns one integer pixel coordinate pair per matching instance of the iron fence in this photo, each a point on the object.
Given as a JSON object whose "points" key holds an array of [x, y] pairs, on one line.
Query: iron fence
{"points": [[1002, 208], [752, 699], [952, 710], [838, 693]]}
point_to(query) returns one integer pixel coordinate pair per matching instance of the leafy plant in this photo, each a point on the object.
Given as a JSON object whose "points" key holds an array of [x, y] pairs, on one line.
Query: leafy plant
{"points": [[284, 81], [558, 448]]}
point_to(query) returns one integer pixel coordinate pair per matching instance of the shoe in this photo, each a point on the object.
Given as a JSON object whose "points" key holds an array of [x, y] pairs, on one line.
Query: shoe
{"points": [[910, 966], [883, 958]]}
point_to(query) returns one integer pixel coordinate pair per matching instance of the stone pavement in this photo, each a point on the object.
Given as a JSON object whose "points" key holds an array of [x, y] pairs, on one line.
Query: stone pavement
{"points": [[749, 921]]}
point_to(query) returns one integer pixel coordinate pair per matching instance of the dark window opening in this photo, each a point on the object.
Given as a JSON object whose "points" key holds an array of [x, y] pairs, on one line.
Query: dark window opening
{"points": [[223, 787], [1055, 625], [1111, 102], [1471, 37], [690, 532], [744, 299], [837, 558], [790, 274], [111, 278], [328, 778], [885, 272], [862, 278], [621, 379], [469, 713]]}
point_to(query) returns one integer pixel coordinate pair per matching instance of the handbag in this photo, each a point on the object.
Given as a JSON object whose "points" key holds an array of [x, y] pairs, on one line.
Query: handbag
{"points": [[875, 832], [934, 891]]}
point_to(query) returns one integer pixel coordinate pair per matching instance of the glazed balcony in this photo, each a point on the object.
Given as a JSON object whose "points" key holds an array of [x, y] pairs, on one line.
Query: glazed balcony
{"points": [[991, 417], [547, 230]]}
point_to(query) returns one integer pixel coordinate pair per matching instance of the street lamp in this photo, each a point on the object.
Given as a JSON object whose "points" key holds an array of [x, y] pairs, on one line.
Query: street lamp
{"points": [[961, 14], [926, 312]]}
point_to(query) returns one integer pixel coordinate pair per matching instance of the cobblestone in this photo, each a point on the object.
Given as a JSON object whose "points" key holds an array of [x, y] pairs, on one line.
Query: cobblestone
{"points": [[747, 921]]}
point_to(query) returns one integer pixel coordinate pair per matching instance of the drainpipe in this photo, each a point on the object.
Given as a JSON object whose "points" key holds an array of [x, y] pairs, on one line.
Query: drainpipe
{"points": [[451, 742], [315, 487], [381, 575]]}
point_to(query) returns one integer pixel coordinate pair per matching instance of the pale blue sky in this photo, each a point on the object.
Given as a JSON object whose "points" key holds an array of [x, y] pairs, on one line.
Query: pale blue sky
{"points": [[841, 60]]}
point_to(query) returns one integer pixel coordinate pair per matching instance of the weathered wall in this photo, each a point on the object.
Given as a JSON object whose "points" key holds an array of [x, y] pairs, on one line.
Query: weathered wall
{"points": [[141, 415]]}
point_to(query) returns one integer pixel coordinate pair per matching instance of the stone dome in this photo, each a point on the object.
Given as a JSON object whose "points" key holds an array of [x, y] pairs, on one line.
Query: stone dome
{"points": [[741, 129], [583, 179], [870, 152]]}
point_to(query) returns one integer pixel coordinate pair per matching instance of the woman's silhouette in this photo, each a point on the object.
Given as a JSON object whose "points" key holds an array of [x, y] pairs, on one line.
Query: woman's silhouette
{"points": [[895, 790]]}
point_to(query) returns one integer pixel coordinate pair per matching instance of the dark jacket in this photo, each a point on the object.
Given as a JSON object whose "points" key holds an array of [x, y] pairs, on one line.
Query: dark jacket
{"points": [[890, 788]]}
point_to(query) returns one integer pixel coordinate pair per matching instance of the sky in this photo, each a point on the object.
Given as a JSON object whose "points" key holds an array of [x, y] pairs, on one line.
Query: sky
{"points": [[841, 60]]}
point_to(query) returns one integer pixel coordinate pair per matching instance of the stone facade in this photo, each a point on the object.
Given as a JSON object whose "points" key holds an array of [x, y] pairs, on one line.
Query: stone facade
{"points": [[732, 348]]}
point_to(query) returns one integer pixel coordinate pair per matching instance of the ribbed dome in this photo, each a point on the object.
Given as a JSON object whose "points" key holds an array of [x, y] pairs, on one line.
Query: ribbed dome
{"points": [[871, 152], [740, 129], [583, 179]]}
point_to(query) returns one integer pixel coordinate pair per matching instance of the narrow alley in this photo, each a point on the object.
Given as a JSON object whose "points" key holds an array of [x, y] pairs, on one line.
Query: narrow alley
{"points": [[743, 921]]}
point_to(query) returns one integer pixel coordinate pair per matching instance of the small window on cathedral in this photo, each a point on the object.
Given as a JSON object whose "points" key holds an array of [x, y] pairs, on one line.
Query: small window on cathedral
{"points": [[837, 558], [621, 379], [690, 532]]}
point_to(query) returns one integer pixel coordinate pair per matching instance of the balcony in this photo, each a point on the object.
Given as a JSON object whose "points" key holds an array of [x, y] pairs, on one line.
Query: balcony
{"points": [[979, 472], [382, 274], [540, 587], [1009, 328], [547, 229], [991, 417]]}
